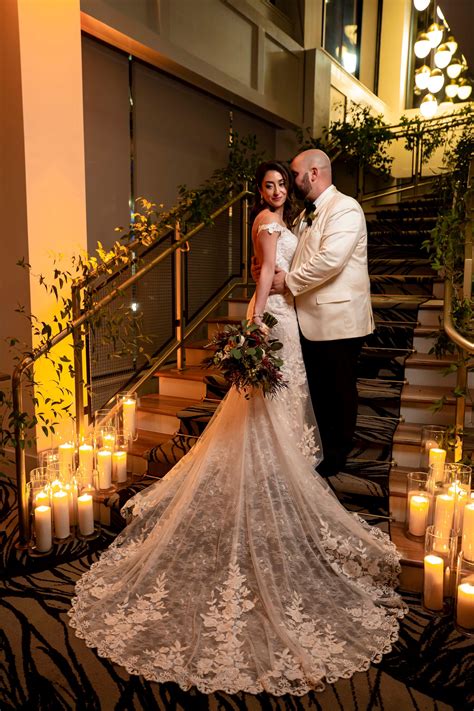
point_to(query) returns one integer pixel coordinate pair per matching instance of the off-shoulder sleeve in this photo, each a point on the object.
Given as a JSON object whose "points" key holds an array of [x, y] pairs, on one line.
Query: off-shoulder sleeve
{"points": [[270, 227]]}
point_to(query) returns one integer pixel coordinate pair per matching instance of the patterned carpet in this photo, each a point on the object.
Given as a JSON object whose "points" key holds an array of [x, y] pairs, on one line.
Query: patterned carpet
{"points": [[43, 666]]}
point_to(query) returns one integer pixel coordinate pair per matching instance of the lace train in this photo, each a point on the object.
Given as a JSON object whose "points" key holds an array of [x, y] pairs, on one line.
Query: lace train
{"points": [[240, 570]]}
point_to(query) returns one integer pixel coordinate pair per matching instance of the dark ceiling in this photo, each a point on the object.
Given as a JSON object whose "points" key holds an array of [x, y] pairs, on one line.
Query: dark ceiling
{"points": [[459, 15]]}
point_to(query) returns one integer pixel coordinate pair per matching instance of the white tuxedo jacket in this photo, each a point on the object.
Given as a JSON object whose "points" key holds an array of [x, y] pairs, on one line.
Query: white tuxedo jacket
{"points": [[329, 277]]}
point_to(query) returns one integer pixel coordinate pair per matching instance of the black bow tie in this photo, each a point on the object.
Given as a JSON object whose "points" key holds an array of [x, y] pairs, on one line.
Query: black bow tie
{"points": [[309, 207]]}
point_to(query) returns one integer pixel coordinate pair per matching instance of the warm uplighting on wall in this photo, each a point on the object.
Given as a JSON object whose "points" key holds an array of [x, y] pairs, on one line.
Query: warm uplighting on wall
{"points": [[442, 63]]}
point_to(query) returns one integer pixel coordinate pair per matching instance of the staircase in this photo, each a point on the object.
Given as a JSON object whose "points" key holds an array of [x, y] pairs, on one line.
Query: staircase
{"points": [[398, 380]]}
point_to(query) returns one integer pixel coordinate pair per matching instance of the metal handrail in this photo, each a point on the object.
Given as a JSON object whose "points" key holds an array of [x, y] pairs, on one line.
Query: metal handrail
{"points": [[75, 328]]}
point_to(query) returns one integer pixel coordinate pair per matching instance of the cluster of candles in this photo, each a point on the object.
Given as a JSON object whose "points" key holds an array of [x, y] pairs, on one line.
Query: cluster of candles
{"points": [[440, 507], [59, 506], [65, 498]]}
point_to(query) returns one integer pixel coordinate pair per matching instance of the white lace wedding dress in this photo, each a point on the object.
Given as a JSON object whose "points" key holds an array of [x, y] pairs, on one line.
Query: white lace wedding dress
{"points": [[239, 570]]}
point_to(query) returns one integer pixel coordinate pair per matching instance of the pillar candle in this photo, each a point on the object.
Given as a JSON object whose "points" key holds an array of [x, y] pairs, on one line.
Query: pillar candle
{"points": [[56, 485], [437, 458], [119, 459], [468, 532], [104, 467], [465, 606], [42, 498], [43, 533], [459, 505], [433, 582], [444, 513], [418, 515], [85, 514], [61, 514], [66, 457], [86, 461], [129, 416], [108, 441]]}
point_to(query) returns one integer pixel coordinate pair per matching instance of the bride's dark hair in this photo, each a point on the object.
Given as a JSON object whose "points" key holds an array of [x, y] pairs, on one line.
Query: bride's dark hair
{"points": [[259, 204]]}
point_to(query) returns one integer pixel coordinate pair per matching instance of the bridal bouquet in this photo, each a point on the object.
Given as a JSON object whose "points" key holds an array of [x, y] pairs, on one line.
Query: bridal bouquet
{"points": [[246, 355]]}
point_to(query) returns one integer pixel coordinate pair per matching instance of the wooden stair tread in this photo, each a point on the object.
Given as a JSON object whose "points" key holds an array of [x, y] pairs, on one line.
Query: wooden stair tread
{"points": [[430, 360], [145, 440], [427, 393], [165, 404], [387, 300], [427, 330], [408, 433], [412, 551], [191, 372]]}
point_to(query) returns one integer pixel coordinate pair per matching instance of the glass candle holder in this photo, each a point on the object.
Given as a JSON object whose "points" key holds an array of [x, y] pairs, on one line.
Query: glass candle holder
{"points": [[47, 456], [444, 500], [119, 459], [432, 437], [459, 485], [61, 518], [59, 473], [86, 451], [127, 415], [40, 514], [467, 534], [104, 437], [438, 568], [464, 602], [104, 469], [67, 454], [419, 502]]}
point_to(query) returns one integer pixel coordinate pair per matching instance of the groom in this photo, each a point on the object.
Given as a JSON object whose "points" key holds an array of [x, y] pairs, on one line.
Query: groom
{"points": [[330, 282]]}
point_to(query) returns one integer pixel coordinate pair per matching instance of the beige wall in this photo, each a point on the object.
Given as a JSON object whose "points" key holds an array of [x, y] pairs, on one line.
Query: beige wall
{"points": [[44, 145], [394, 53], [228, 47]]}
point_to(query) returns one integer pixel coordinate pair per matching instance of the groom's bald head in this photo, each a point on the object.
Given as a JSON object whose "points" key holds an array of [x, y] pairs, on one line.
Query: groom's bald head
{"points": [[312, 173]]}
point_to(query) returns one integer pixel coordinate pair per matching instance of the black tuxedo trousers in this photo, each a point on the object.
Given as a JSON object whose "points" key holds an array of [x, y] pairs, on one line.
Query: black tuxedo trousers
{"points": [[331, 369]]}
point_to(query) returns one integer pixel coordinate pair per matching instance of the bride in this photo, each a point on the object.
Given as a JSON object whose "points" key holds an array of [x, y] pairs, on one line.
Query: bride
{"points": [[240, 570]]}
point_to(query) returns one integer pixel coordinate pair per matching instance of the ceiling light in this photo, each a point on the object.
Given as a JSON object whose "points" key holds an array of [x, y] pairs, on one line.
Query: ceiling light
{"points": [[421, 77], [428, 106], [421, 5], [454, 69], [349, 61], [452, 44], [435, 81], [435, 34], [451, 89], [464, 91], [442, 56], [422, 46]]}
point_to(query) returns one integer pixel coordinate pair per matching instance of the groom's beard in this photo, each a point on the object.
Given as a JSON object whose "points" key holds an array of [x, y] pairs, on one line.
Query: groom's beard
{"points": [[301, 191]]}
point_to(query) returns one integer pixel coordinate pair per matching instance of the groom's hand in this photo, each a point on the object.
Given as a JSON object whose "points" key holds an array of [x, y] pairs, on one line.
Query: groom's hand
{"points": [[278, 284]]}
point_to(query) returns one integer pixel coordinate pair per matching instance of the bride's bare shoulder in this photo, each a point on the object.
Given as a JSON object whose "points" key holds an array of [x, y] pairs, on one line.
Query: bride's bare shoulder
{"points": [[267, 217]]}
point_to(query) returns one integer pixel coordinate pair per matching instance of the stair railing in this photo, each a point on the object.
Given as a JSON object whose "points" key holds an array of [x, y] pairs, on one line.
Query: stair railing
{"points": [[76, 329], [466, 346]]}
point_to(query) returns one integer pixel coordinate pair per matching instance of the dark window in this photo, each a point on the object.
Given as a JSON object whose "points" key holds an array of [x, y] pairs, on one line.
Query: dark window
{"points": [[342, 32]]}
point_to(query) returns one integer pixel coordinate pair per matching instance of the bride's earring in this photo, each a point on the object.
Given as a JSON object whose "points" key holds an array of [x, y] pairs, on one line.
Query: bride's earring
{"points": [[261, 200]]}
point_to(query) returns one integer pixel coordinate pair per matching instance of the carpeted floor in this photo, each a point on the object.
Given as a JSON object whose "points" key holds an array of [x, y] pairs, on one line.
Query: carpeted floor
{"points": [[43, 666]]}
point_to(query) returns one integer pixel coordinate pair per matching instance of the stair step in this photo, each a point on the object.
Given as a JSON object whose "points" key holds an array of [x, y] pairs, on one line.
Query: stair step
{"points": [[145, 440], [186, 383], [158, 413]]}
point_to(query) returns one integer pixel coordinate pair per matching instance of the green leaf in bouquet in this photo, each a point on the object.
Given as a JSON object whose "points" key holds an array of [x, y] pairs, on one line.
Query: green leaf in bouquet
{"points": [[236, 353], [276, 346]]}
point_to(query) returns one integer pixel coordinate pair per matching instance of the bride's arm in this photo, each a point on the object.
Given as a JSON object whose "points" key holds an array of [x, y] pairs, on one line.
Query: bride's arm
{"points": [[267, 242]]}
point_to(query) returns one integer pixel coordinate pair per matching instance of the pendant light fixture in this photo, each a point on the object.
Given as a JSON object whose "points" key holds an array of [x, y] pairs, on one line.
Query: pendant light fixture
{"points": [[428, 106], [435, 81], [464, 90], [454, 69], [421, 77], [451, 89], [442, 56], [452, 44], [435, 34], [422, 46], [421, 5]]}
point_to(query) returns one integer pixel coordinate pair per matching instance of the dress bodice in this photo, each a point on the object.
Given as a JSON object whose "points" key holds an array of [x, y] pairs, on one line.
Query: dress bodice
{"points": [[286, 243]]}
